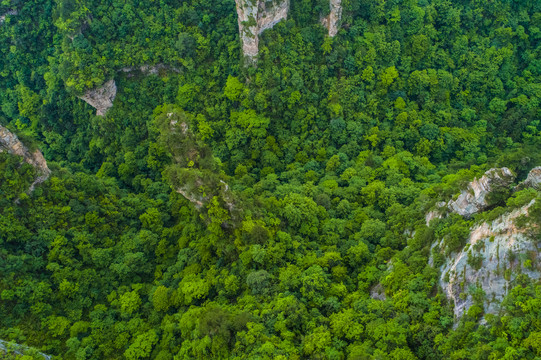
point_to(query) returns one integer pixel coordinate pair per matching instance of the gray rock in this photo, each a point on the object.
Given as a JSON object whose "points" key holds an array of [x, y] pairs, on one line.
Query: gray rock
{"points": [[332, 21], [533, 180], [19, 349], [10, 142], [101, 98], [256, 16], [489, 261], [474, 198]]}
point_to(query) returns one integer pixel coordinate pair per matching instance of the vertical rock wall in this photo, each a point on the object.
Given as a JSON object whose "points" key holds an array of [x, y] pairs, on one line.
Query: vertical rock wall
{"points": [[255, 16], [332, 21]]}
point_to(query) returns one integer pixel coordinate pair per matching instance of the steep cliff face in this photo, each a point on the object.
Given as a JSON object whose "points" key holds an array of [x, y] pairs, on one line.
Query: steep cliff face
{"points": [[496, 251], [10, 143], [256, 16], [533, 180], [101, 98], [476, 196], [332, 21]]}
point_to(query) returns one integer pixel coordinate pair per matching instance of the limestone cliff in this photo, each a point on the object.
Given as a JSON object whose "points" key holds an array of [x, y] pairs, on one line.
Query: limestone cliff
{"points": [[101, 98], [254, 17], [476, 196], [10, 143], [490, 261], [332, 21], [496, 250], [533, 180]]}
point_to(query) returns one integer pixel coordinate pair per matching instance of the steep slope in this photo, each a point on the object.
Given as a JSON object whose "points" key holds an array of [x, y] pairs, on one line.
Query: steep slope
{"points": [[496, 251]]}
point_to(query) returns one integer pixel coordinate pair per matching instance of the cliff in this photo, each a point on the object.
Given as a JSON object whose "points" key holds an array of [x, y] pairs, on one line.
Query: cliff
{"points": [[101, 98], [476, 196], [256, 16], [332, 21], [496, 251], [10, 143]]}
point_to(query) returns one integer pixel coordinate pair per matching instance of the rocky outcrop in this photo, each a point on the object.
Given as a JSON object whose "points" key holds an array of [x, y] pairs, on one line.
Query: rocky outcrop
{"points": [[10, 142], [3, 17], [151, 69], [477, 195], [256, 16], [21, 350], [532, 181], [495, 253], [332, 21], [101, 98]]}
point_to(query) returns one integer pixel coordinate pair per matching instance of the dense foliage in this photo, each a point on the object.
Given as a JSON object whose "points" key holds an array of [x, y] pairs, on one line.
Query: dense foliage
{"points": [[221, 210]]}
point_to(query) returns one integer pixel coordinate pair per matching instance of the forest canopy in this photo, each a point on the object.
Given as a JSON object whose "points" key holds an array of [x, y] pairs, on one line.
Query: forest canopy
{"points": [[274, 209]]}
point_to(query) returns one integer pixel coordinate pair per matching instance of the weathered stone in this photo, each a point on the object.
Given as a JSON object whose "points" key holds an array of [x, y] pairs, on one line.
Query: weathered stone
{"points": [[474, 198], [332, 21], [533, 180], [101, 98], [493, 250], [20, 350], [10, 142], [378, 292], [256, 16]]}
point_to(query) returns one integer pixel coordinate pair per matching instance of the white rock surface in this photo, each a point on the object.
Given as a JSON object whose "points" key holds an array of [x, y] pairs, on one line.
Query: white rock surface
{"points": [[533, 180], [101, 98], [332, 21], [501, 244], [474, 198], [256, 16], [10, 142]]}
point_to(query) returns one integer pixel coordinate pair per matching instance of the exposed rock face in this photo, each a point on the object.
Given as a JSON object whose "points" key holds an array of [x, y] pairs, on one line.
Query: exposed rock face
{"points": [[101, 98], [378, 292], [490, 261], [10, 143], [533, 180], [256, 16], [10, 12], [151, 69], [474, 198], [332, 21], [12, 348]]}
